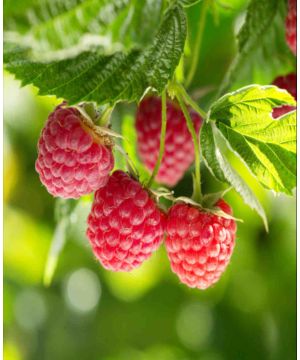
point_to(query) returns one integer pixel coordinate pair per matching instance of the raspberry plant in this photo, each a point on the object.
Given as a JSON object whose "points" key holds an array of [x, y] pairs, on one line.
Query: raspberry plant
{"points": [[99, 56]]}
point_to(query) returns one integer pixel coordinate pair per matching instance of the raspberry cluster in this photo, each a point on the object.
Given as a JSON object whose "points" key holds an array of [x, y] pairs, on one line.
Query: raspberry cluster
{"points": [[289, 83], [179, 149], [126, 225], [72, 158]]}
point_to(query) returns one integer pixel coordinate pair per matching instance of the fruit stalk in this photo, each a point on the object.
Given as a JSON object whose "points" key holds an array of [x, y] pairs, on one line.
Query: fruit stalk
{"points": [[162, 137], [198, 42], [197, 195], [190, 101]]}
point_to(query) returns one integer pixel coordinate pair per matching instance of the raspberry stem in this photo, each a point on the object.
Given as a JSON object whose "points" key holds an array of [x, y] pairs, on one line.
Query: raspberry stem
{"points": [[162, 137], [190, 101], [106, 115], [198, 42], [197, 195]]}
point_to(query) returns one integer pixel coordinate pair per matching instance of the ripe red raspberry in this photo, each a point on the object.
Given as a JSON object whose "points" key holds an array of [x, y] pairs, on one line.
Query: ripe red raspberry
{"points": [[72, 158], [289, 83], [199, 244], [291, 26], [179, 148], [125, 226]]}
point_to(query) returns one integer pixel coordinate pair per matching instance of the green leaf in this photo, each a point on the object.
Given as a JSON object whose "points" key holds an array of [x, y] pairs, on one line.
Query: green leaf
{"points": [[261, 40], [267, 145], [92, 76], [223, 171], [259, 16], [142, 17], [57, 24], [208, 149]]}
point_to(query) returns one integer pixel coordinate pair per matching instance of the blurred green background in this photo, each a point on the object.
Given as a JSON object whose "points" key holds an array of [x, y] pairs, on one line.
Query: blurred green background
{"points": [[89, 313]]}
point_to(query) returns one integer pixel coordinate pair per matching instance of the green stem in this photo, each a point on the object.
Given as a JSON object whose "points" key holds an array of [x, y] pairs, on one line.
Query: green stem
{"points": [[197, 195], [105, 116], [162, 136], [199, 36], [190, 101]]}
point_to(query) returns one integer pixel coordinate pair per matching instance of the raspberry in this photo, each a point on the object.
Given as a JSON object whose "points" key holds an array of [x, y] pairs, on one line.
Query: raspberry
{"points": [[125, 226], [291, 26], [179, 148], [72, 158], [289, 83], [199, 244]]}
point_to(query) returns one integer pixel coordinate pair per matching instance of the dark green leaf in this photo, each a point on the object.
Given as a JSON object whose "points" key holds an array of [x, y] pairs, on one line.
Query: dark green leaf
{"points": [[261, 40], [56, 24], [142, 18], [92, 76]]}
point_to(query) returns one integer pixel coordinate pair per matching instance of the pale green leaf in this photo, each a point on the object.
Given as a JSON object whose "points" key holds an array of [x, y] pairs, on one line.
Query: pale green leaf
{"points": [[273, 165], [223, 171], [250, 107], [267, 145]]}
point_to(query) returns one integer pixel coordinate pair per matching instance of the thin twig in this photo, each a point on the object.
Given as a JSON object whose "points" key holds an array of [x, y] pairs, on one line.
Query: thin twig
{"points": [[162, 137]]}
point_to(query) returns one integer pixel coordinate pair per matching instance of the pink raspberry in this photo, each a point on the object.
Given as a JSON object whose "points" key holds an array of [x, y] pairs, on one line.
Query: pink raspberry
{"points": [[291, 26], [73, 159], [179, 148], [199, 244], [125, 226], [289, 83]]}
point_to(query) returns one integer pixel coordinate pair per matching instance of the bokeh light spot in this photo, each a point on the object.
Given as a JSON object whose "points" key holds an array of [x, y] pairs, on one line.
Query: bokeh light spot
{"points": [[133, 285], [82, 291], [30, 309], [194, 326]]}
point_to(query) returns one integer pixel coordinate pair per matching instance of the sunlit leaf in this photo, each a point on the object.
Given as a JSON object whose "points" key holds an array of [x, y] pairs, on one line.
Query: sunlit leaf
{"points": [[223, 171], [267, 145]]}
